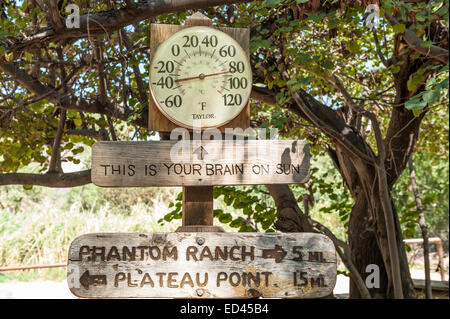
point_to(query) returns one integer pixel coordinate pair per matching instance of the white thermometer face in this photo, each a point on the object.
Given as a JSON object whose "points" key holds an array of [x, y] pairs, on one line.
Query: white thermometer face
{"points": [[200, 76]]}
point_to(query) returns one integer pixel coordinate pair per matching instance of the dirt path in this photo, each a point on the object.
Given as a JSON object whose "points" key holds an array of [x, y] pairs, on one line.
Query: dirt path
{"points": [[59, 290], [35, 289]]}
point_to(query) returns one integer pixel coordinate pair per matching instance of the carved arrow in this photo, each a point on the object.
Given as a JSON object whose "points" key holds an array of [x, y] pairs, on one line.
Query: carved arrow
{"points": [[201, 152], [95, 280], [278, 253]]}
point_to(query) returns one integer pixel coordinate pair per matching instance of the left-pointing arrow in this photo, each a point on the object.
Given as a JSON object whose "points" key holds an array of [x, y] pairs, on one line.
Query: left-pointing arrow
{"points": [[87, 280]]}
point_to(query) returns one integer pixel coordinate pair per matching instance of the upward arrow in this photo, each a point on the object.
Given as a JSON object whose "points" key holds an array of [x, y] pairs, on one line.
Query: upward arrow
{"points": [[201, 152]]}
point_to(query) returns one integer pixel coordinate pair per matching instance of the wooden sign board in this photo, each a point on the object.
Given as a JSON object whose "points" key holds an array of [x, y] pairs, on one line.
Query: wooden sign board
{"points": [[199, 163], [202, 265]]}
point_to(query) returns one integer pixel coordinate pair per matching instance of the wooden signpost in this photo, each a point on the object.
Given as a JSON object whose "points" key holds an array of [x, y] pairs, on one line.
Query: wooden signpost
{"points": [[202, 265], [200, 74]]}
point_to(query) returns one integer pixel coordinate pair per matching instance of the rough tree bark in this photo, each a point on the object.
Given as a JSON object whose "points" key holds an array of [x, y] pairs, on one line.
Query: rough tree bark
{"points": [[290, 218]]}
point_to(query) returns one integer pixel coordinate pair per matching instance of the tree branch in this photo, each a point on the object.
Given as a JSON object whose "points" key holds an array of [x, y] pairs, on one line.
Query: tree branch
{"points": [[67, 101], [57, 180], [137, 73], [111, 20], [87, 132], [263, 95], [289, 216], [383, 190], [339, 137], [56, 154], [345, 257], [415, 43], [382, 186], [52, 6], [385, 62], [327, 122]]}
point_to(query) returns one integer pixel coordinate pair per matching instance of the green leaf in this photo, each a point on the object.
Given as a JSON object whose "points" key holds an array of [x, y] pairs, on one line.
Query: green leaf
{"points": [[77, 121], [272, 3], [426, 44], [444, 84], [432, 96], [399, 28], [265, 44], [236, 223], [259, 208], [417, 112], [303, 58], [327, 64], [395, 69], [353, 46], [316, 17], [225, 218], [414, 80], [286, 29], [415, 104]]}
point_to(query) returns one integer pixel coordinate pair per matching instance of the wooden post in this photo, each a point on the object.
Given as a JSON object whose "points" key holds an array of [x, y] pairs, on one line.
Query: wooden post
{"points": [[440, 251], [198, 210], [198, 19], [198, 204], [198, 201]]}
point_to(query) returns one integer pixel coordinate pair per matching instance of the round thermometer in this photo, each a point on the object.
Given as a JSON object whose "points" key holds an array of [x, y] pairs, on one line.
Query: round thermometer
{"points": [[200, 77]]}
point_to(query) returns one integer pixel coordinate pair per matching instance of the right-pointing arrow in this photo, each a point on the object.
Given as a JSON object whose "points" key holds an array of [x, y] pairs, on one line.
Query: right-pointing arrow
{"points": [[278, 253]]}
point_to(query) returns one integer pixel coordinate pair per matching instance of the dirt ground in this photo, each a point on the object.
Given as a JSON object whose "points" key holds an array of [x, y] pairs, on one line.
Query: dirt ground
{"points": [[59, 290], [416, 261]]}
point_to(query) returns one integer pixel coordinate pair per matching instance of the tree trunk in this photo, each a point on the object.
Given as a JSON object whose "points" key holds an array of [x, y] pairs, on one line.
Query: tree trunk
{"points": [[290, 218], [367, 232], [366, 249]]}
